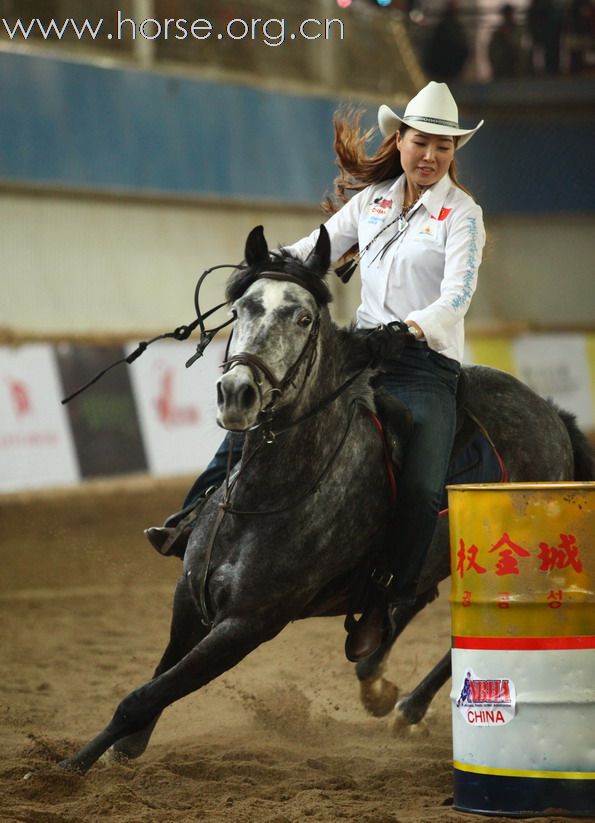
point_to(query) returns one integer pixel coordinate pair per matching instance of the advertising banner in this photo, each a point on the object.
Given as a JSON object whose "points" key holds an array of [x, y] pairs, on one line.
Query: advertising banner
{"points": [[103, 418], [557, 367], [177, 406], [36, 446]]}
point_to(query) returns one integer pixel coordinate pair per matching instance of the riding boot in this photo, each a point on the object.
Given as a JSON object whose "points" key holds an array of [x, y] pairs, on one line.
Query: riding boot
{"points": [[365, 635], [171, 539]]}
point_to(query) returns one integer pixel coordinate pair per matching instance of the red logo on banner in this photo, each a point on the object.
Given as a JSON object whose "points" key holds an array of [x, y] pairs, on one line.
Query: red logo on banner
{"points": [[20, 397], [167, 411]]}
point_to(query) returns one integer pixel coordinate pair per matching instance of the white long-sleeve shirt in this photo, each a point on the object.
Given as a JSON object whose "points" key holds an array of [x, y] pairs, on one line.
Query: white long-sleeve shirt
{"points": [[428, 274]]}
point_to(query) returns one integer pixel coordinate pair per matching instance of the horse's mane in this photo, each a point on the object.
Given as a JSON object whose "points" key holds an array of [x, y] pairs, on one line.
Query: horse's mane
{"points": [[286, 263], [354, 347]]}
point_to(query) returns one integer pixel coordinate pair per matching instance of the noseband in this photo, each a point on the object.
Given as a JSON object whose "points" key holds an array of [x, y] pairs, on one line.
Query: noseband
{"points": [[257, 365]]}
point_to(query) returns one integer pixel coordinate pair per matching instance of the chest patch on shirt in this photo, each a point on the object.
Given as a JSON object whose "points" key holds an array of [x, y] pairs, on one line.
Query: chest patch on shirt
{"points": [[443, 214], [426, 231], [379, 208]]}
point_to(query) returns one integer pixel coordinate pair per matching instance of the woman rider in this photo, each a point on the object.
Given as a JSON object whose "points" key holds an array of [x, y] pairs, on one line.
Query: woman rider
{"points": [[420, 236]]}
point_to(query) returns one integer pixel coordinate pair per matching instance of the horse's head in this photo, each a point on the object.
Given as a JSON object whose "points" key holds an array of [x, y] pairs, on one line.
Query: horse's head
{"points": [[277, 301]]}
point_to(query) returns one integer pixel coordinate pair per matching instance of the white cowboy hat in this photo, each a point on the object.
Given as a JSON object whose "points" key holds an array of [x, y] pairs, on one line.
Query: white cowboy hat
{"points": [[433, 110]]}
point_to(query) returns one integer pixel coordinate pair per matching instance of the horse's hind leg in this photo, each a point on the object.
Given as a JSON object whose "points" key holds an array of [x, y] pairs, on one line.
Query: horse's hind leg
{"points": [[228, 642], [186, 631], [412, 708]]}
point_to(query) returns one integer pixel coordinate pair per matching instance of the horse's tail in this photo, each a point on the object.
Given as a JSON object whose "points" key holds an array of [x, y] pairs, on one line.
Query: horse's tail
{"points": [[584, 454]]}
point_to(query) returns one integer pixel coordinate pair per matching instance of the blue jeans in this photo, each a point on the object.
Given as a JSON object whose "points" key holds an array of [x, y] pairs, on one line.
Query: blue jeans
{"points": [[215, 472], [427, 383]]}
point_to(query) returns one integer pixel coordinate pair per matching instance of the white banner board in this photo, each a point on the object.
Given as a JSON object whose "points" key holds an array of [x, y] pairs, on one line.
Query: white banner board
{"points": [[36, 447], [557, 367], [177, 406]]}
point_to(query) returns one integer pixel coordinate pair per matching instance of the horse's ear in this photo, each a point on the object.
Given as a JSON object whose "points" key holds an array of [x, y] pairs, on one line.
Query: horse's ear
{"points": [[256, 250], [319, 258]]}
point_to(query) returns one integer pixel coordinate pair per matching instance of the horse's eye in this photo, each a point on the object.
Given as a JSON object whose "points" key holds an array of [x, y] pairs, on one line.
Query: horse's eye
{"points": [[304, 319]]}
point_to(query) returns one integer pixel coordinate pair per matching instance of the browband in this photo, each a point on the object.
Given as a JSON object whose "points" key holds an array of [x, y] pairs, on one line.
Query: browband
{"points": [[278, 275]]}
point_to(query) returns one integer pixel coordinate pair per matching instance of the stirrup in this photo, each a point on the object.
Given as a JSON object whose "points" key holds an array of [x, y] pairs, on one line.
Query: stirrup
{"points": [[385, 581], [176, 531], [174, 519], [177, 524], [382, 578]]}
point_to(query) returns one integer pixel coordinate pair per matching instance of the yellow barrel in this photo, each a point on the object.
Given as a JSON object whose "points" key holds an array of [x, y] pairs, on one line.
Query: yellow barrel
{"points": [[523, 648]]}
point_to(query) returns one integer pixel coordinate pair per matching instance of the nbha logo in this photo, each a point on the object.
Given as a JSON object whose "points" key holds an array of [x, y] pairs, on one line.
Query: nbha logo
{"points": [[476, 692], [486, 702]]}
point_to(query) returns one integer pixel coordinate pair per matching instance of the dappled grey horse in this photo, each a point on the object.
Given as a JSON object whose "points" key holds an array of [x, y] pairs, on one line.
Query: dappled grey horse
{"points": [[291, 531]]}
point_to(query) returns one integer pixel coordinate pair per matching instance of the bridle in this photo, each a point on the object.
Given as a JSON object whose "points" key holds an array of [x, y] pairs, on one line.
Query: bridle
{"points": [[257, 365]]}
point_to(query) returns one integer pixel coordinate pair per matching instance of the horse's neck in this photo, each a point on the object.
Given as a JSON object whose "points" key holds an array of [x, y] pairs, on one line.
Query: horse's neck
{"points": [[304, 437], [294, 458], [314, 388]]}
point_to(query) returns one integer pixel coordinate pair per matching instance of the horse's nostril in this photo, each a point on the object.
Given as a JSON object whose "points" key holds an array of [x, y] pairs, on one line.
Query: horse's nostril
{"points": [[235, 394], [246, 397]]}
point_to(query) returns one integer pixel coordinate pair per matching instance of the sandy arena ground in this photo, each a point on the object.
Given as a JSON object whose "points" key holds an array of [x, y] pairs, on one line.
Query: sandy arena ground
{"points": [[282, 738]]}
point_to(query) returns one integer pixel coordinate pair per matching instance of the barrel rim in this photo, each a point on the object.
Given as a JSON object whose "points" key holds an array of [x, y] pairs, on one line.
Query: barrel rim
{"points": [[570, 485]]}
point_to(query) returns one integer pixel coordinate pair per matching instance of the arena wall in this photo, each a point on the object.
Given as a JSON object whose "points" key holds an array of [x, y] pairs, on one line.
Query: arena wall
{"points": [[118, 186], [80, 265]]}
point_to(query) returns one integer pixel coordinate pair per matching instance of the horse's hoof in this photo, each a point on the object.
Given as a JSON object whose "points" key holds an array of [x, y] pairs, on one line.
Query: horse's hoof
{"points": [[69, 764], [130, 747], [111, 756], [378, 696], [408, 717], [400, 727]]}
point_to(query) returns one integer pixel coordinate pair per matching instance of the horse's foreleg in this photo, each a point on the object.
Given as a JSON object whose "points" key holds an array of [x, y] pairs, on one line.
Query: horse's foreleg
{"points": [[227, 643], [186, 632], [378, 694], [412, 708]]}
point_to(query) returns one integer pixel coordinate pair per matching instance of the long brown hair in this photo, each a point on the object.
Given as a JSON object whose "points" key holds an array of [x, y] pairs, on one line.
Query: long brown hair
{"points": [[356, 169]]}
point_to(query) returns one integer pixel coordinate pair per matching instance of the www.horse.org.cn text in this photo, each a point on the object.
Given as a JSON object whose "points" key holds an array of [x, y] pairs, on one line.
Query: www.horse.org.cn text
{"points": [[272, 31]]}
